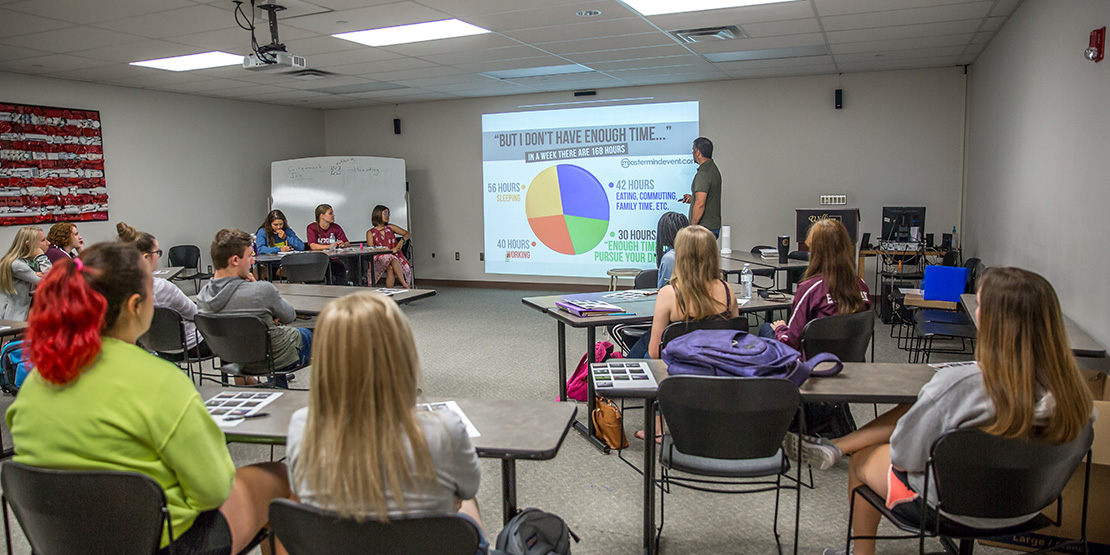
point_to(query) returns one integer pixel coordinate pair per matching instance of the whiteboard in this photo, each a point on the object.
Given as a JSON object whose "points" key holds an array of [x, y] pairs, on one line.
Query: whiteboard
{"points": [[352, 185]]}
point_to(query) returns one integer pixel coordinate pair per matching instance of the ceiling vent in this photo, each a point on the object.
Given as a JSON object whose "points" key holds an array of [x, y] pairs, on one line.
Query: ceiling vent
{"points": [[310, 74], [708, 34]]}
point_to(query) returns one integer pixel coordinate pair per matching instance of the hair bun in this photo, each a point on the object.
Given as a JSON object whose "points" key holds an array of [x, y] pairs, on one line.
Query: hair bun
{"points": [[126, 232]]}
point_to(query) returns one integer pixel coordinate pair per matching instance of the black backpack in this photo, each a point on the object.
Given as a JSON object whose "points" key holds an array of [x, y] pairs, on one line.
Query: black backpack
{"points": [[534, 532]]}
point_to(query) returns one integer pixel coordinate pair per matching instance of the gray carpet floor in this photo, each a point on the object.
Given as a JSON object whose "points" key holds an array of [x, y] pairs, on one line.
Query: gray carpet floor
{"points": [[483, 343]]}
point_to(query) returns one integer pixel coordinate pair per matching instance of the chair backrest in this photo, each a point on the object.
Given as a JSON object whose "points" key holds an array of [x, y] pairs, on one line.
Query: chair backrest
{"points": [[66, 512], [845, 335], [798, 255], [187, 256], [305, 530], [237, 338], [677, 329], [166, 333], [727, 417], [646, 279], [987, 476], [950, 257], [974, 267], [305, 267]]}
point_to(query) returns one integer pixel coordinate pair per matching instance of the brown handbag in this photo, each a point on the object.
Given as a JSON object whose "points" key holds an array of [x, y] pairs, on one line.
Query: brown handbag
{"points": [[608, 424]]}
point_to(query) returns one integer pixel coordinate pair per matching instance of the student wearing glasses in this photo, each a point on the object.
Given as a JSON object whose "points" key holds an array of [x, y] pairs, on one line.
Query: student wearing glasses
{"points": [[166, 294]]}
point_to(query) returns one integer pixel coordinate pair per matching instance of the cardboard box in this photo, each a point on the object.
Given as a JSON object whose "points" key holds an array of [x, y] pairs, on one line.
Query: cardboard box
{"points": [[1098, 509]]}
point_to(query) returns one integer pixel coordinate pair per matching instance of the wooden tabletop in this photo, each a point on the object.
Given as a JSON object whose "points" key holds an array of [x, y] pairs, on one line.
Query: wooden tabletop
{"points": [[338, 253], [12, 327], [734, 262], [509, 429], [311, 304], [914, 299], [643, 309], [1082, 345]]}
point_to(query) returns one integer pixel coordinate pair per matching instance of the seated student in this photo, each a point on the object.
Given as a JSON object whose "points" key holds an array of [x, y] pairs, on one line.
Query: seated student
{"points": [[695, 292], [21, 269], [1026, 385], [325, 233], [668, 226], [362, 447], [95, 401], [166, 294], [65, 241], [233, 289], [830, 286], [276, 236], [384, 234]]}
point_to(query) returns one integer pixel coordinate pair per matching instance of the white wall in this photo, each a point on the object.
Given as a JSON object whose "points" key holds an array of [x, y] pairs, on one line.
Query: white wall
{"points": [[1038, 177], [181, 167], [779, 144]]}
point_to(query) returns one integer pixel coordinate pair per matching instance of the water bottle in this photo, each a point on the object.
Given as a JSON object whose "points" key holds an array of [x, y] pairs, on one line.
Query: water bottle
{"points": [[331, 242], [955, 239], [746, 278]]}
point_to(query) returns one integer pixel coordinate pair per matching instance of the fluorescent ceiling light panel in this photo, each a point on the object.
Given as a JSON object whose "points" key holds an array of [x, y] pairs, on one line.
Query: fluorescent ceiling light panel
{"points": [[662, 7], [204, 60], [537, 71], [768, 54], [417, 32]]}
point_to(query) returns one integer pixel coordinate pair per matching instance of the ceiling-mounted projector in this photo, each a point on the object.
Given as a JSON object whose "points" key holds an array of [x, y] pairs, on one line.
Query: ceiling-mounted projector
{"points": [[273, 61]]}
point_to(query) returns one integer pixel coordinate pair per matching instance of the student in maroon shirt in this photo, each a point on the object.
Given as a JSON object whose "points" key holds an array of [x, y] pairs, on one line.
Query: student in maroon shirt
{"points": [[321, 235], [830, 285]]}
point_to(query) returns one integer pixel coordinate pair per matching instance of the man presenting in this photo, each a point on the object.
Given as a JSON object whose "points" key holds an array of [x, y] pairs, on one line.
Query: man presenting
{"points": [[705, 191]]}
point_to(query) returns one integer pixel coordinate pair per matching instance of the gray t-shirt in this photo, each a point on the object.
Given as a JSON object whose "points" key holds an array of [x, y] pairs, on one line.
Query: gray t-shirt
{"points": [[708, 181], [232, 295], [456, 465]]}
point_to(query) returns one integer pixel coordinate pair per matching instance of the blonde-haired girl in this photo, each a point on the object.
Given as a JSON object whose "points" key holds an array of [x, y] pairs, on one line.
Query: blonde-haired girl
{"points": [[21, 268], [362, 447]]}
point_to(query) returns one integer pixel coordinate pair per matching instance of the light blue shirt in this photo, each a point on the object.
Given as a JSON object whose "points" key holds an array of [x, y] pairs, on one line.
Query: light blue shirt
{"points": [[666, 268]]}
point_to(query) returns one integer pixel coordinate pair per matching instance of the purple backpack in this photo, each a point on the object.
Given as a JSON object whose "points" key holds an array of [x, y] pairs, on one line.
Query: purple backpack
{"points": [[741, 354], [577, 388]]}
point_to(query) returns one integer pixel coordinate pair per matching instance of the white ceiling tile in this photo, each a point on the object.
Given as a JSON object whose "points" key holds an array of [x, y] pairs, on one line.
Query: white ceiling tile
{"points": [[371, 17], [900, 54], [361, 55], [243, 92], [735, 16], [983, 38], [886, 65], [608, 43], [904, 31], [429, 47], [993, 23], [401, 75], [395, 64], [889, 18], [92, 11], [333, 81], [140, 51], [380, 94], [680, 70], [74, 39], [729, 67], [205, 86], [53, 63], [589, 58], [16, 53], [182, 21], [100, 74], [146, 77], [539, 61], [967, 59], [472, 80], [238, 40], [1005, 7], [579, 31], [808, 39], [460, 8], [550, 15], [840, 7], [289, 95], [487, 55], [974, 48], [901, 44], [644, 63], [313, 45], [574, 79], [16, 23], [782, 72], [789, 27], [264, 77]]}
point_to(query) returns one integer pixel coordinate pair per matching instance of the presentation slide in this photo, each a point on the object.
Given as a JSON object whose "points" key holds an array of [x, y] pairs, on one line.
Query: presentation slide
{"points": [[578, 191]]}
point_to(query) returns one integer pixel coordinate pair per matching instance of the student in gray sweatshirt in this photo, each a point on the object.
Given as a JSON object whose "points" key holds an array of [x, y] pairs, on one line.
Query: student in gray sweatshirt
{"points": [[233, 289], [1035, 392]]}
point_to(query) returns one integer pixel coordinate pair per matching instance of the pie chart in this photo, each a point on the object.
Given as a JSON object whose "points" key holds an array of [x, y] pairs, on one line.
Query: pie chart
{"points": [[568, 209]]}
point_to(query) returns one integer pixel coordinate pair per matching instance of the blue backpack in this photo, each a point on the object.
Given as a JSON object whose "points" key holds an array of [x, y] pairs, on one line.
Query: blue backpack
{"points": [[14, 366], [742, 354]]}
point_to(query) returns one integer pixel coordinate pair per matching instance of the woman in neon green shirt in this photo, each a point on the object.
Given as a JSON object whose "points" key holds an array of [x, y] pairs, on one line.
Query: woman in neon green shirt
{"points": [[97, 402]]}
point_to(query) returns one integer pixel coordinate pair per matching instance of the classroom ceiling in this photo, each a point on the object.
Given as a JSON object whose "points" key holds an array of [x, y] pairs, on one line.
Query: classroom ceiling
{"points": [[93, 40]]}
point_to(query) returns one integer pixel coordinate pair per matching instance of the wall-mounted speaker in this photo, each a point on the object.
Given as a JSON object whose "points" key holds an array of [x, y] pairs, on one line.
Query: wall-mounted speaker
{"points": [[396, 126], [839, 102]]}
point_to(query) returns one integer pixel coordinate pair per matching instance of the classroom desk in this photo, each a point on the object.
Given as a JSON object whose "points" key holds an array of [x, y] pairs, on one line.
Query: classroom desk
{"points": [[643, 310], [9, 328], [168, 272], [733, 263], [350, 252], [309, 300], [859, 382], [916, 300], [1082, 345], [511, 430]]}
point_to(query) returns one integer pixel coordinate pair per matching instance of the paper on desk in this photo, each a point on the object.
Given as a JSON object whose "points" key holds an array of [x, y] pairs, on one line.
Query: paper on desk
{"points": [[237, 403], [908, 291], [453, 407], [389, 292], [742, 302], [940, 365]]}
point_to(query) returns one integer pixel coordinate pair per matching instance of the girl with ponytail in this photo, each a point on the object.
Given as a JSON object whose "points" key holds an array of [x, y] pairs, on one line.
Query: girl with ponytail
{"points": [[96, 401]]}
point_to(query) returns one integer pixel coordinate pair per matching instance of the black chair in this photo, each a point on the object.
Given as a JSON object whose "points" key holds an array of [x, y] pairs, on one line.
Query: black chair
{"points": [[677, 329], [188, 257], [729, 431], [979, 475], [240, 340], [166, 339], [76, 512], [646, 279], [762, 272], [305, 530], [795, 275], [306, 267], [627, 335], [847, 336]]}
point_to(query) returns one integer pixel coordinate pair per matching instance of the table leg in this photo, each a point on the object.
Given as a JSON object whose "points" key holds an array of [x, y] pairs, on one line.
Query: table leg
{"points": [[562, 333], [860, 264], [649, 476], [508, 489], [588, 429]]}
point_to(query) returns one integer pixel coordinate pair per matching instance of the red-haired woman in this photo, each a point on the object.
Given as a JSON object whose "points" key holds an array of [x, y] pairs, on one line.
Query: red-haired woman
{"points": [[96, 401]]}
